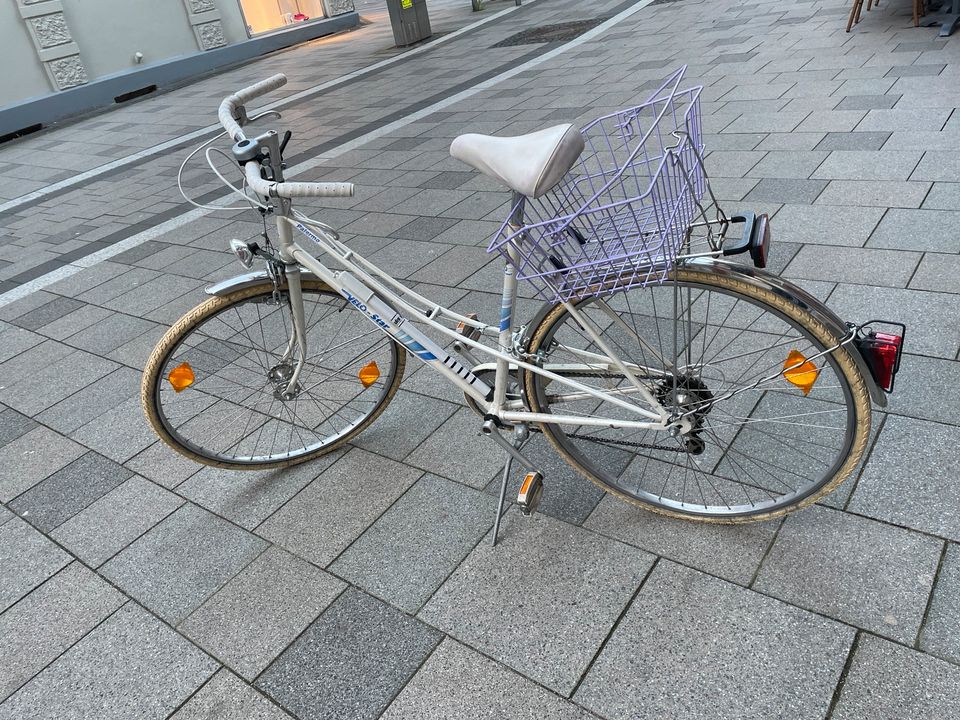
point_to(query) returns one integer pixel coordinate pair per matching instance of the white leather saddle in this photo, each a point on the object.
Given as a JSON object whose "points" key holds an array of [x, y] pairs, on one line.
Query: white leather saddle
{"points": [[529, 164]]}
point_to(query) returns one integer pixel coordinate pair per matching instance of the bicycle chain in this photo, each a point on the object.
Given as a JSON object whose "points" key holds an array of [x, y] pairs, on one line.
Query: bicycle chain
{"points": [[625, 443]]}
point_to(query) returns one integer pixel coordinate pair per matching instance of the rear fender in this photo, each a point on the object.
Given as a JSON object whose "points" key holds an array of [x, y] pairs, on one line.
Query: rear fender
{"points": [[785, 289]]}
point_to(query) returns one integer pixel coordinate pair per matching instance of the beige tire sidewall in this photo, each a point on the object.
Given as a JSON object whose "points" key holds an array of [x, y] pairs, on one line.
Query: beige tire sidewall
{"points": [[858, 389], [189, 322]]}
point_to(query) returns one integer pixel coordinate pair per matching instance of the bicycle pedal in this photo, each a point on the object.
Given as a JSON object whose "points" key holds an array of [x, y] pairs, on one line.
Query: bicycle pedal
{"points": [[531, 493], [468, 331]]}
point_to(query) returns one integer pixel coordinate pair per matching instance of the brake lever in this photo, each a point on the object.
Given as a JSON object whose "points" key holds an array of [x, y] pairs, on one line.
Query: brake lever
{"points": [[283, 143]]}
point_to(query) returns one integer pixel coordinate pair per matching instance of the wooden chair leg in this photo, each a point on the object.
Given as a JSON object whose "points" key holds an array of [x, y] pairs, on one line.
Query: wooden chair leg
{"points": [[854, 11], [916, 13]]}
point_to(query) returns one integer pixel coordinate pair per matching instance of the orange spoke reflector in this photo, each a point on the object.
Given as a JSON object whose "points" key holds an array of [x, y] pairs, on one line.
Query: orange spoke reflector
{"points": [[799, 371], [369, 374], [181, 377]]}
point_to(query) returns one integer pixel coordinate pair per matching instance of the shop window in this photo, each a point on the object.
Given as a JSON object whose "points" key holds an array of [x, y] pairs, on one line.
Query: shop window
{"points": [[265, 15]]}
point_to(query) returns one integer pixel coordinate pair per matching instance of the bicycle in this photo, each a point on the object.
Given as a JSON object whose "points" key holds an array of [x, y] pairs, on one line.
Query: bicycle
{"points": [[659, 368]]}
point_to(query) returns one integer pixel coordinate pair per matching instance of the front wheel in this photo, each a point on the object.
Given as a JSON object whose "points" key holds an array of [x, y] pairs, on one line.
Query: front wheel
{"points": [[771, 432], [216, 386]]}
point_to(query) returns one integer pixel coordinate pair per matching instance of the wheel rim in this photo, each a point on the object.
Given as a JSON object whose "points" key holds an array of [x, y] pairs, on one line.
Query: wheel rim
{"points": [[766, 449], [235, 411]]}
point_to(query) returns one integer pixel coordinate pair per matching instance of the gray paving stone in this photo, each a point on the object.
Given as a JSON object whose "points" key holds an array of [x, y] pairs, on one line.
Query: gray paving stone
{"points": [[912, 119], [46, 386], [825, 225], [13, 425], [406, 423], [867, 102], [869, 165], [874, 193], [56, 308], [909, 477], [937, 272], [732, 552], [834, 121], [227, 697], [925, 328], [248, 497], [865, 266], [14, 341], [351, 662], [457, 682], [182, 561], [162, 465], [92, 401], [110, 333], [787, 164], [49, 620], [890, 682], [458, 450], [721, 651], [542, 600], [927, 388], [780, 190], [853, 141], [943, 196], [866, 573], [454, 266], [252, 618], [940, 635], [314, 525], [119, 433], [408, 553], [55, 500], [938, 166], [927, 230], [131, 666], [26, 560], [33, 457], [118, 518]]}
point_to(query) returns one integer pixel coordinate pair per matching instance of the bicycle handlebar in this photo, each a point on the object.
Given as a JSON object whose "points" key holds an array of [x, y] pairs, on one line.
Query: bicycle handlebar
{"points": [[227, 115]]}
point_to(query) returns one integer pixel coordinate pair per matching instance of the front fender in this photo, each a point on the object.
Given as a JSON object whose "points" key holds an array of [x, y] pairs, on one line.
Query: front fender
{"points": [[775, 284], [242, 282]]}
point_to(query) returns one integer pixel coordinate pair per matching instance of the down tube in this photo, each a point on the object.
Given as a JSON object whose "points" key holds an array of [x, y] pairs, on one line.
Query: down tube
{"points": [[406, 333]]}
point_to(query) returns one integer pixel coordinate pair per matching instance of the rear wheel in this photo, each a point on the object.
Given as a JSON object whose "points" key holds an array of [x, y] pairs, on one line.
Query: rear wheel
{"points": [[763, 443], [214, 388]]}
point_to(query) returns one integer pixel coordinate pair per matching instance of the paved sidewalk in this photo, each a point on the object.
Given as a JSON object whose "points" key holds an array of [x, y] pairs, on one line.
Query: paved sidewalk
{"points": [[135, 584]]}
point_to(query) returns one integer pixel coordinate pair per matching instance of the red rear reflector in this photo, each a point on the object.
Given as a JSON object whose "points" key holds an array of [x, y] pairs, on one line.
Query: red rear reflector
{"points": [[882, 353]]}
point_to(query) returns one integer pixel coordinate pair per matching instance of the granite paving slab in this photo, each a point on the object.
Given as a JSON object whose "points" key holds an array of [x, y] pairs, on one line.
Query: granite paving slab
{"points": [[227, 697], [892, 682], [457, 682], [407, 553], [869, 574], [940, 635], [108, 525], [35, 631], [350, 662], [542, 600], [905, 483], [732, 552], [182, 561], [53, 501], [693, 646], [252, 618], [26, 560], [131, 666]]}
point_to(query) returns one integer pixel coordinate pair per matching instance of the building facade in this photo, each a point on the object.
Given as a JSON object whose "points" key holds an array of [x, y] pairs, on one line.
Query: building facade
{"points": [[70, 48]]}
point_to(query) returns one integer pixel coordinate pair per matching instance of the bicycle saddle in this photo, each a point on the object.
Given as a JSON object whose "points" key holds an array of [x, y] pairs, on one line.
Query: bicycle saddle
{"points": [[529, 164]]}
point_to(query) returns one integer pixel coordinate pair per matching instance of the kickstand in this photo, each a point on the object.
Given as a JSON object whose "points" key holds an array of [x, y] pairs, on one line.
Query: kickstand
{"points": [[520, 436]]}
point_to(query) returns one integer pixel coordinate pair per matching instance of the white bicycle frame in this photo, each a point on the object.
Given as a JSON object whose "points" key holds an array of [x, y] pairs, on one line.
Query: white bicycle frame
{"points": [[395, 310]]}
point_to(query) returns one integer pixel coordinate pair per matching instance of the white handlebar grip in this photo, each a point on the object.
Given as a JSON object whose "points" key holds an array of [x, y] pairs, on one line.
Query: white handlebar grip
{"points": [[261, 88], [314, 189]]}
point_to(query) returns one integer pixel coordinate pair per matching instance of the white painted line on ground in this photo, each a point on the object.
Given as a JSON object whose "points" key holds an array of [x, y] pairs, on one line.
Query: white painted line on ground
{"points": [[41, 193], [181, 220]]}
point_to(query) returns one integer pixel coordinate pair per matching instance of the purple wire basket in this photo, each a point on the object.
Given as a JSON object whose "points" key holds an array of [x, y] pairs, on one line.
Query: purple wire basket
{"points": [[619, 217]]}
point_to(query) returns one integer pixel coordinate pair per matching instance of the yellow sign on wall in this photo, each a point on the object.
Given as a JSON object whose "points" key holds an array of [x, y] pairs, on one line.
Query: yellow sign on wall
{"points": [[406, 4]]}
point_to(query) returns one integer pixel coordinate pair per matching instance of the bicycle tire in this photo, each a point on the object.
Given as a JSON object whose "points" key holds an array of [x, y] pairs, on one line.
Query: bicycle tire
{"points": [[156, 373], [853, 388]]}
